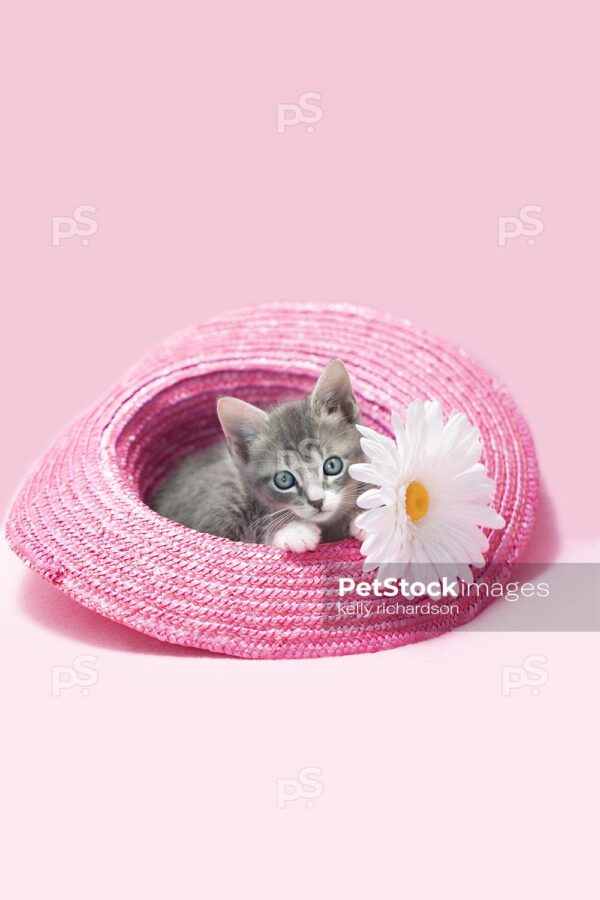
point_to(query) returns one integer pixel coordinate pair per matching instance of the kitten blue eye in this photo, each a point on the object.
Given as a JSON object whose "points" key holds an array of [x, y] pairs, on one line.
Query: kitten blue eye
{"points": [[284, 480], [333, 465]]}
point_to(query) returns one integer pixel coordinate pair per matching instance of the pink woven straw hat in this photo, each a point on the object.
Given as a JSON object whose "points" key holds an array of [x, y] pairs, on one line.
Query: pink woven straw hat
{"points": [[81, 521]]}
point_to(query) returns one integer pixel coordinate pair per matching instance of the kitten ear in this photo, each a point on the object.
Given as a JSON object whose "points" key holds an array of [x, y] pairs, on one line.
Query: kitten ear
{"points": [[333, 392], [241, 422]]}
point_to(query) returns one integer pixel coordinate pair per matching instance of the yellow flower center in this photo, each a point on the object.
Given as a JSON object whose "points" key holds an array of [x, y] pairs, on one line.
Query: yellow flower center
{"points": [[417, 501]]}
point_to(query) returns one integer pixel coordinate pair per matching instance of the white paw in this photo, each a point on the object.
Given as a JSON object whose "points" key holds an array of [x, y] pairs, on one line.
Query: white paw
{"points": [[356, 532], [297, 537]]}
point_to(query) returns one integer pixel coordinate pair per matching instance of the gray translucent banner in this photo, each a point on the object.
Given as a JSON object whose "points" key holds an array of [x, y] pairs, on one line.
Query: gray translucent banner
{"points": [[532, 597]]}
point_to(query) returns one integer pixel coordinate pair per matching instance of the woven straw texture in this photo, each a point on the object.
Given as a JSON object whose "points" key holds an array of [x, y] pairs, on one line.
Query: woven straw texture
{"points": [[81, 521]]}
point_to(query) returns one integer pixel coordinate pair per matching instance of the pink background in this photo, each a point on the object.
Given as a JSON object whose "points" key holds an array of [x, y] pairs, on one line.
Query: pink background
{"points": [[437, 119]]}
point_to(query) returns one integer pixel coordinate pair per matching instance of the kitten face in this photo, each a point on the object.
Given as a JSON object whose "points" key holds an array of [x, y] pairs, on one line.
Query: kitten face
{"points": [[301, 462], [296, 457]]}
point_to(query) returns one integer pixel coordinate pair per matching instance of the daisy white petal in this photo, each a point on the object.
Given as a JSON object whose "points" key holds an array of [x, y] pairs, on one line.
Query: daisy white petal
{"points": [[375, 543], [416, 432], [400, 433], [380, 455], [364, 472], [435, 423], [370, 499], [473, 487], [373, 435], [377, 496], [480, 515], [391, 570], [376, 519]]}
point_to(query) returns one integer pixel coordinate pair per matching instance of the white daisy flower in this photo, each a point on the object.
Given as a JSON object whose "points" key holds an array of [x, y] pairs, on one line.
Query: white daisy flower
{"points": [[430, 500]]}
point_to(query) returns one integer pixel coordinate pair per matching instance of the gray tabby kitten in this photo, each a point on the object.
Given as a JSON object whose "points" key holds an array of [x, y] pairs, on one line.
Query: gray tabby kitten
{"points": [[281, 478]]}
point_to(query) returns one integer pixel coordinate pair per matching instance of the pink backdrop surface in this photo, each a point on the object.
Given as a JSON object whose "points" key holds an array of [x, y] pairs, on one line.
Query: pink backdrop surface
{"points": [[432, 122]]}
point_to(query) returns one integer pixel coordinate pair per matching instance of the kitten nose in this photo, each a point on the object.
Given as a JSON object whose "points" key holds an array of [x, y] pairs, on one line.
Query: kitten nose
{"points": [[318, 504]]}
